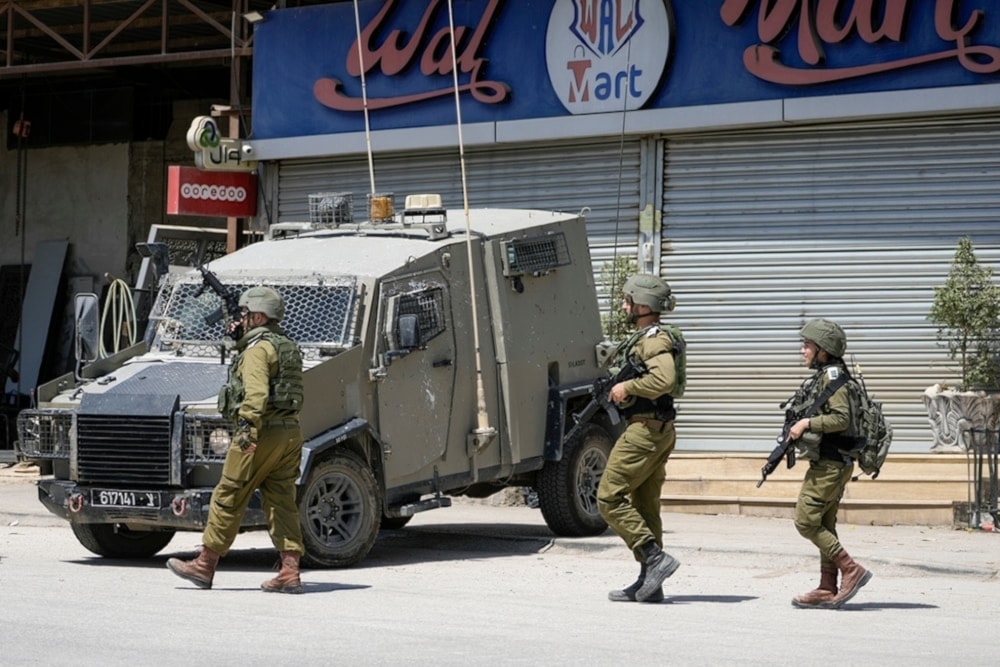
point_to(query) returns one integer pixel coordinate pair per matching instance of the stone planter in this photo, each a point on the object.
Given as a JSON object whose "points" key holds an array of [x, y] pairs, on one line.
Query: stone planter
{"points": [[967, 422], [952, 413]]}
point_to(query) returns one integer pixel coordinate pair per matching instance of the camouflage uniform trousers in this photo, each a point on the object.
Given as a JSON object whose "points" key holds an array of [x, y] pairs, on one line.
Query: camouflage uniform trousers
{"points": [[273, 468], [818, 504], [628, 496]]}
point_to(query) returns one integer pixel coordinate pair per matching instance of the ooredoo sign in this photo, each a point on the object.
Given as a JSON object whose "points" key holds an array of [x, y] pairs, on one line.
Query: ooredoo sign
{"points": [[191, 191]]}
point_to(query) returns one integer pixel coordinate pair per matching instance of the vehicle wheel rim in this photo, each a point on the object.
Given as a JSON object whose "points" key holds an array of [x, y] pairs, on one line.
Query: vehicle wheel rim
{"points": [[592, 465], [334, 510]]}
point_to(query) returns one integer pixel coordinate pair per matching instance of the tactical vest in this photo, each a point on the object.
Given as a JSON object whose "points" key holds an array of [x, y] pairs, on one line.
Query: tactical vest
{"points": [[678, 349], [285, 390], [813, 446], [662, 406]]}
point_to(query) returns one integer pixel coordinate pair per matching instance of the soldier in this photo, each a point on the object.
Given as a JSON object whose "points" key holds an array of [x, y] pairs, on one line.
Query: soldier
{"points": [[820, 439], [263, 397], [629, 492]]}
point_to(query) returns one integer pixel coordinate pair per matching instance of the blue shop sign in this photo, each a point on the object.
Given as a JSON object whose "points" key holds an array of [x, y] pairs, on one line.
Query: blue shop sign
{"points": [[550, 58]]}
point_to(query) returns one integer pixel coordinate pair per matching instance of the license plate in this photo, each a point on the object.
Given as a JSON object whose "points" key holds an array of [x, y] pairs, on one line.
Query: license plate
{"points": [[123, 498]]}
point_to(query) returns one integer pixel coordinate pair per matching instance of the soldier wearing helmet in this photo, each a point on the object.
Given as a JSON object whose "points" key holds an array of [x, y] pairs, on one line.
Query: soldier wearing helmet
{"points": [[821, 439], [629, 491], [263, 397]]}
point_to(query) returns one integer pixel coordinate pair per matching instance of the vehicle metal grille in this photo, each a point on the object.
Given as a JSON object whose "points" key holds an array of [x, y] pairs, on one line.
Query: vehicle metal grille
{"points": [[44, 433], [319, 315], [203, 435], [535, 255], [123, 450]]}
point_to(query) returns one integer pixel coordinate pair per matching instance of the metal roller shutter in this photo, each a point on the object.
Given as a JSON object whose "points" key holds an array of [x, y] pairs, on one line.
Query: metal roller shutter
{"points": [[561, 177], [765, 230]]}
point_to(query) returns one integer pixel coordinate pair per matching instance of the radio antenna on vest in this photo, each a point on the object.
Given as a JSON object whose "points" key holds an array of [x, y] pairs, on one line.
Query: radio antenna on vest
{"points": [[364, 98], [484, 433]]}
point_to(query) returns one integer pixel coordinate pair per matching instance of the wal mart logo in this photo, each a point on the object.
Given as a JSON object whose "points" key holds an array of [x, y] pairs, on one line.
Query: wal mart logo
{"points": [[607, 55], [605, 26]]}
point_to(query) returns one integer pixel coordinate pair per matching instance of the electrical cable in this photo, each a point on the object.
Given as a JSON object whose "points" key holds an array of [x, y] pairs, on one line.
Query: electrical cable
{"points": [[120, 304]]}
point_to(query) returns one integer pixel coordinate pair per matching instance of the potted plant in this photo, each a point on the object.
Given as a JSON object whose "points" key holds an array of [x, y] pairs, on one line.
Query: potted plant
{"points": [[966, 310]]}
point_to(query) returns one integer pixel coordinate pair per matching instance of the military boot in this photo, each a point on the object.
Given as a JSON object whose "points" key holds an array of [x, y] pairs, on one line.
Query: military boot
{"points": [[627, 594], [852, 578], [825, 593], [659, 565], [200, 570], [287, 580]]}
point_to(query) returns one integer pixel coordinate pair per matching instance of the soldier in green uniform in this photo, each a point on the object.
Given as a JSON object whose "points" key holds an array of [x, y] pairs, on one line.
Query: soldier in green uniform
{"points": [[821, 439], [263, 397], [629, 492]]}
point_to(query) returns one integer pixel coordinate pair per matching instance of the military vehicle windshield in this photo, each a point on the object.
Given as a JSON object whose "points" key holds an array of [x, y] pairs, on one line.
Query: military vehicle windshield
{"points": [[319, 315]]}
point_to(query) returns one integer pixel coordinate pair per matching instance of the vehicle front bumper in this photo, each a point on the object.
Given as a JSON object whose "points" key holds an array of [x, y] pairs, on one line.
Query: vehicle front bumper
{"points": [[178, 509]]}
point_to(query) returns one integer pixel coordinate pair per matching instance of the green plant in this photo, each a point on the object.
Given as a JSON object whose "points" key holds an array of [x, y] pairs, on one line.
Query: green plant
{"points": [[613, 276], [966, 310]]}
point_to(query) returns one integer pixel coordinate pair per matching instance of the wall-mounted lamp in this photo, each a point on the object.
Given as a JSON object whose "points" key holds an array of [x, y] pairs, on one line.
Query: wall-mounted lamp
{"points": [[254, 17]]}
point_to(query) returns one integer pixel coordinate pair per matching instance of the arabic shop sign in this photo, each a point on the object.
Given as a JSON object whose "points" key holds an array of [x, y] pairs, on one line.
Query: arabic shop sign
{"points": [[553, 58]]}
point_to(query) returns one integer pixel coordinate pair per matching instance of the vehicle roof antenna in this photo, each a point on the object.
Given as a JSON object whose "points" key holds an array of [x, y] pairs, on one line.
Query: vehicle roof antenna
{"points": [[618, 282], [364, 98], [484, 433]]}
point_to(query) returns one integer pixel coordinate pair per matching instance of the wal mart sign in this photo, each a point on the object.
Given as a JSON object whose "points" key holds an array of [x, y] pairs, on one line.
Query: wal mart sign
{"points": [[548, 58]]}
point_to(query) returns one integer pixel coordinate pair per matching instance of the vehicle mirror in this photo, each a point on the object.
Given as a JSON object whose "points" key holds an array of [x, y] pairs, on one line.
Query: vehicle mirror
{"points": [[409, 332], [87, 331]]}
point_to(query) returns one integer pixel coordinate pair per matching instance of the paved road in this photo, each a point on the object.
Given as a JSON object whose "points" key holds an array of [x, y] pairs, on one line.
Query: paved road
{"points": [[490, 585]]}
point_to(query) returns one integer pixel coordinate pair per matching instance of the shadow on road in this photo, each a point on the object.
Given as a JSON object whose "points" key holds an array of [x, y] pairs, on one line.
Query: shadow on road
{"points": [[415, 544], [724, 599], [879, 606]]}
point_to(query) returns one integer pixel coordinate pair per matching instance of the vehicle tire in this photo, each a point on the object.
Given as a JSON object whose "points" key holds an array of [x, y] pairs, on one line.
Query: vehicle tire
{"points": [[567, 489], [339, 511], [395, 522], [114, 540]]}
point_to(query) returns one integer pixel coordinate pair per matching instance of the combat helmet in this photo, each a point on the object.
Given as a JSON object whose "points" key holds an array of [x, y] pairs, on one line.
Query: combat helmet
{"points": [[649, 290], [263, 300], [827, 335]]}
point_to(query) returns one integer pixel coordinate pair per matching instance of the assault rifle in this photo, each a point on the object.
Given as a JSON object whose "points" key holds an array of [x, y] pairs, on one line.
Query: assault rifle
{"points": [[784, 450], [232, 303], [633, 368]]}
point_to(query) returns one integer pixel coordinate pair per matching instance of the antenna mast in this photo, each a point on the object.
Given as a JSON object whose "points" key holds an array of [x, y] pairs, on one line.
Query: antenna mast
{"points": [[484, 433], [364, 97]]}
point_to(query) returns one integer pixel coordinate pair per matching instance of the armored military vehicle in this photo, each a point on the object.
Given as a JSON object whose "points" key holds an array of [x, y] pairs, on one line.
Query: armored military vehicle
{"points": [[446, 354]]}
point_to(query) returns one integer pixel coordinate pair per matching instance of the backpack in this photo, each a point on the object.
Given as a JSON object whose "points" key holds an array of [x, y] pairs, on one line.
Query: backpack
{"points": [[872, 432], [679, 350]]}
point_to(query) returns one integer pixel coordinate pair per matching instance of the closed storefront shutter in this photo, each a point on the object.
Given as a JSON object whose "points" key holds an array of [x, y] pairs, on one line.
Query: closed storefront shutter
{"points": [[764, 230], [560, 177]]}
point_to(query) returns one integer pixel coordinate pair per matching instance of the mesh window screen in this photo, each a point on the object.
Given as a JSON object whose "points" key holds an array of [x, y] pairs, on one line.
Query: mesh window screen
{"points": [[535, 255], [428, 306], [318, 316]]}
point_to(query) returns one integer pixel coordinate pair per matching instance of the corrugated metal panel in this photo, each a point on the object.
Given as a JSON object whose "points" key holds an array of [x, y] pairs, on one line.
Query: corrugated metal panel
{"points": [[559, 177], [765, 230]]}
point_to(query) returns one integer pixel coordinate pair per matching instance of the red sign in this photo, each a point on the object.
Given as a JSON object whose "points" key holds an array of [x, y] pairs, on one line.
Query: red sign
{"points": [[220, 194]]}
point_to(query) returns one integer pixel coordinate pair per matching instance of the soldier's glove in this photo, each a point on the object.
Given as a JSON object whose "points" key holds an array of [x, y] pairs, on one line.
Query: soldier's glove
{"points": [[243, 441], [243, 438]]}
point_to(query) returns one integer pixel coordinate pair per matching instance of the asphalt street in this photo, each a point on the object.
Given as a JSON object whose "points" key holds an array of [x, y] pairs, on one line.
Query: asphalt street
{"points": [[935, 549], [486, 584]]}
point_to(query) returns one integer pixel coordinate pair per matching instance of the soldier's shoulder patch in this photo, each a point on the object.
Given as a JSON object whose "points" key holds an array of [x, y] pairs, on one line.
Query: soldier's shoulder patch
{"points": [[832, 373]]}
